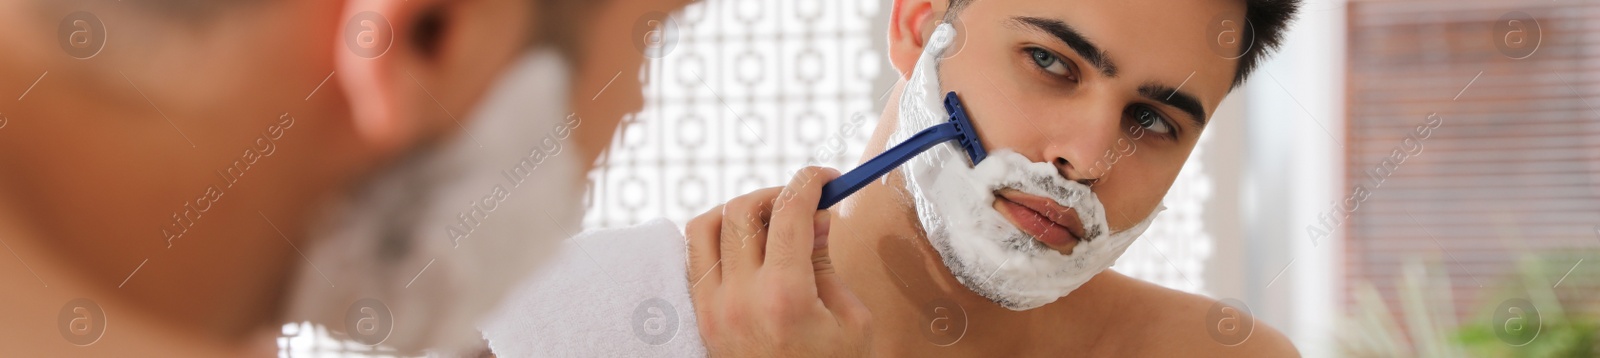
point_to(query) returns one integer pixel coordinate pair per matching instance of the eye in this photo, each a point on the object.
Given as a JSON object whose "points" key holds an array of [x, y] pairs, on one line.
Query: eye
{"points": [[1048, 61], [1150, 120]]}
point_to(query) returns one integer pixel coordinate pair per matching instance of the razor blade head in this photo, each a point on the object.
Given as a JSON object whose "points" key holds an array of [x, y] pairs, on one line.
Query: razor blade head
{"points": [[969, 134]]}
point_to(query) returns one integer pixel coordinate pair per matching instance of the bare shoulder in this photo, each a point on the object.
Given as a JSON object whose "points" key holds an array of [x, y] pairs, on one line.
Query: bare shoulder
{"points": [[1177, 323]]}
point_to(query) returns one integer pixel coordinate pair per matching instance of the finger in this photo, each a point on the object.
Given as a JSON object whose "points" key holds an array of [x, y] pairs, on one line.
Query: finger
{"points": [[792, 235], [704, 238], [838, 298], [744, 231]]}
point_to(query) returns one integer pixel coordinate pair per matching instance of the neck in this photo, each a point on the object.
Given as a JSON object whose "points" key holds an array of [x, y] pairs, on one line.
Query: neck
{"points": [[884, 258], [41, 285], [221, 283], [107, 223]]}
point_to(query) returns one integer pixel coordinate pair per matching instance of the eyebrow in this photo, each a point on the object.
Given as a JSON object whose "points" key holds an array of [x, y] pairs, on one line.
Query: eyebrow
{"points": [[1098, 58], [1183, 101], [1074, 40]]}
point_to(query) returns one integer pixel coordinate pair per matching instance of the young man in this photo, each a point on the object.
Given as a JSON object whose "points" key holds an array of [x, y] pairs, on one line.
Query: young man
{"points": [[1088, 110], [1074, 99], [165, 162]]}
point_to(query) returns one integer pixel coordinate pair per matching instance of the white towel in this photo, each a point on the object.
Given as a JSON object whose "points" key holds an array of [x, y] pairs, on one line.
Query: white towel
{"points": [[610, 293]]}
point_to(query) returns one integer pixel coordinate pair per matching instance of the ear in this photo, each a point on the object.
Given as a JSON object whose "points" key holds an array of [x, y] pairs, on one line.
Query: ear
{"points": [[413, 70], [910, 24]]}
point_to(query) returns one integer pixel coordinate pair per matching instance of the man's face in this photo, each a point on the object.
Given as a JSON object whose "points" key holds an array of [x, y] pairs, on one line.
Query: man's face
{"points": [[1114, 94]]}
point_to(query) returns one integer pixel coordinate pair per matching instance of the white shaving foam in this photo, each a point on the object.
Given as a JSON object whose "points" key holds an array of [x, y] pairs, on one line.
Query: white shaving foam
{"points": [[955, 205]]}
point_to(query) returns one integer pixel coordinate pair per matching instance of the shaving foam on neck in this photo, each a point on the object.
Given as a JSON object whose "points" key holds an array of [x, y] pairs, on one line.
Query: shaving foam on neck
{"points": [[955, 205]]}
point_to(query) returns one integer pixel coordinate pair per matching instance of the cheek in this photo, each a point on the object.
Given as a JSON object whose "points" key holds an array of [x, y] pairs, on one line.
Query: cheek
{"points": [[1135, 187], [992, 93]]}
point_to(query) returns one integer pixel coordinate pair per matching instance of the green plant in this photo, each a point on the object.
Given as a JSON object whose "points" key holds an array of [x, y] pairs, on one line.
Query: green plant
{"points": [[1371, 328]]}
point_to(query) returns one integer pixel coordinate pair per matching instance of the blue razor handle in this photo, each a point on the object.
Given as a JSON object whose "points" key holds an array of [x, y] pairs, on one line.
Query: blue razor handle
{"points": [[959, 129]]}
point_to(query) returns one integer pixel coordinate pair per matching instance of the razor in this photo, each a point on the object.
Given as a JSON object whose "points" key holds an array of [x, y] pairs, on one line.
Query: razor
{"points": [[958, 129]]}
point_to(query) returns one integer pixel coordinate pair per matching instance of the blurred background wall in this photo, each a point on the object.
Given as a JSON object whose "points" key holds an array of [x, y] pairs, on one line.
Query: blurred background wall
{"points": [[1498, 215]]}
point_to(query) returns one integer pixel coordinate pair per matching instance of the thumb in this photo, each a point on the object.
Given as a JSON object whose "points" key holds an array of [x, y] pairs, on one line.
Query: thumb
{"points": [[830, 288]]}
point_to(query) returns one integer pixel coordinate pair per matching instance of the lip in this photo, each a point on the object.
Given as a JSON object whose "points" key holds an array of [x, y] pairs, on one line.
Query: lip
{"points": [[1050, 223]]}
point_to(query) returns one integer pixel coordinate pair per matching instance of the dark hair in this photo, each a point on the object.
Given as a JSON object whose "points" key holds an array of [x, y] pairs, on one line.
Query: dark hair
{"points": [[1267, 19]]}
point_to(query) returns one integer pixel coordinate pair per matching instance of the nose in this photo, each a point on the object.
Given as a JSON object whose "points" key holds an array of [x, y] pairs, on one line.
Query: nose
{"points": [[1067, 170], [1087, 144]]}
